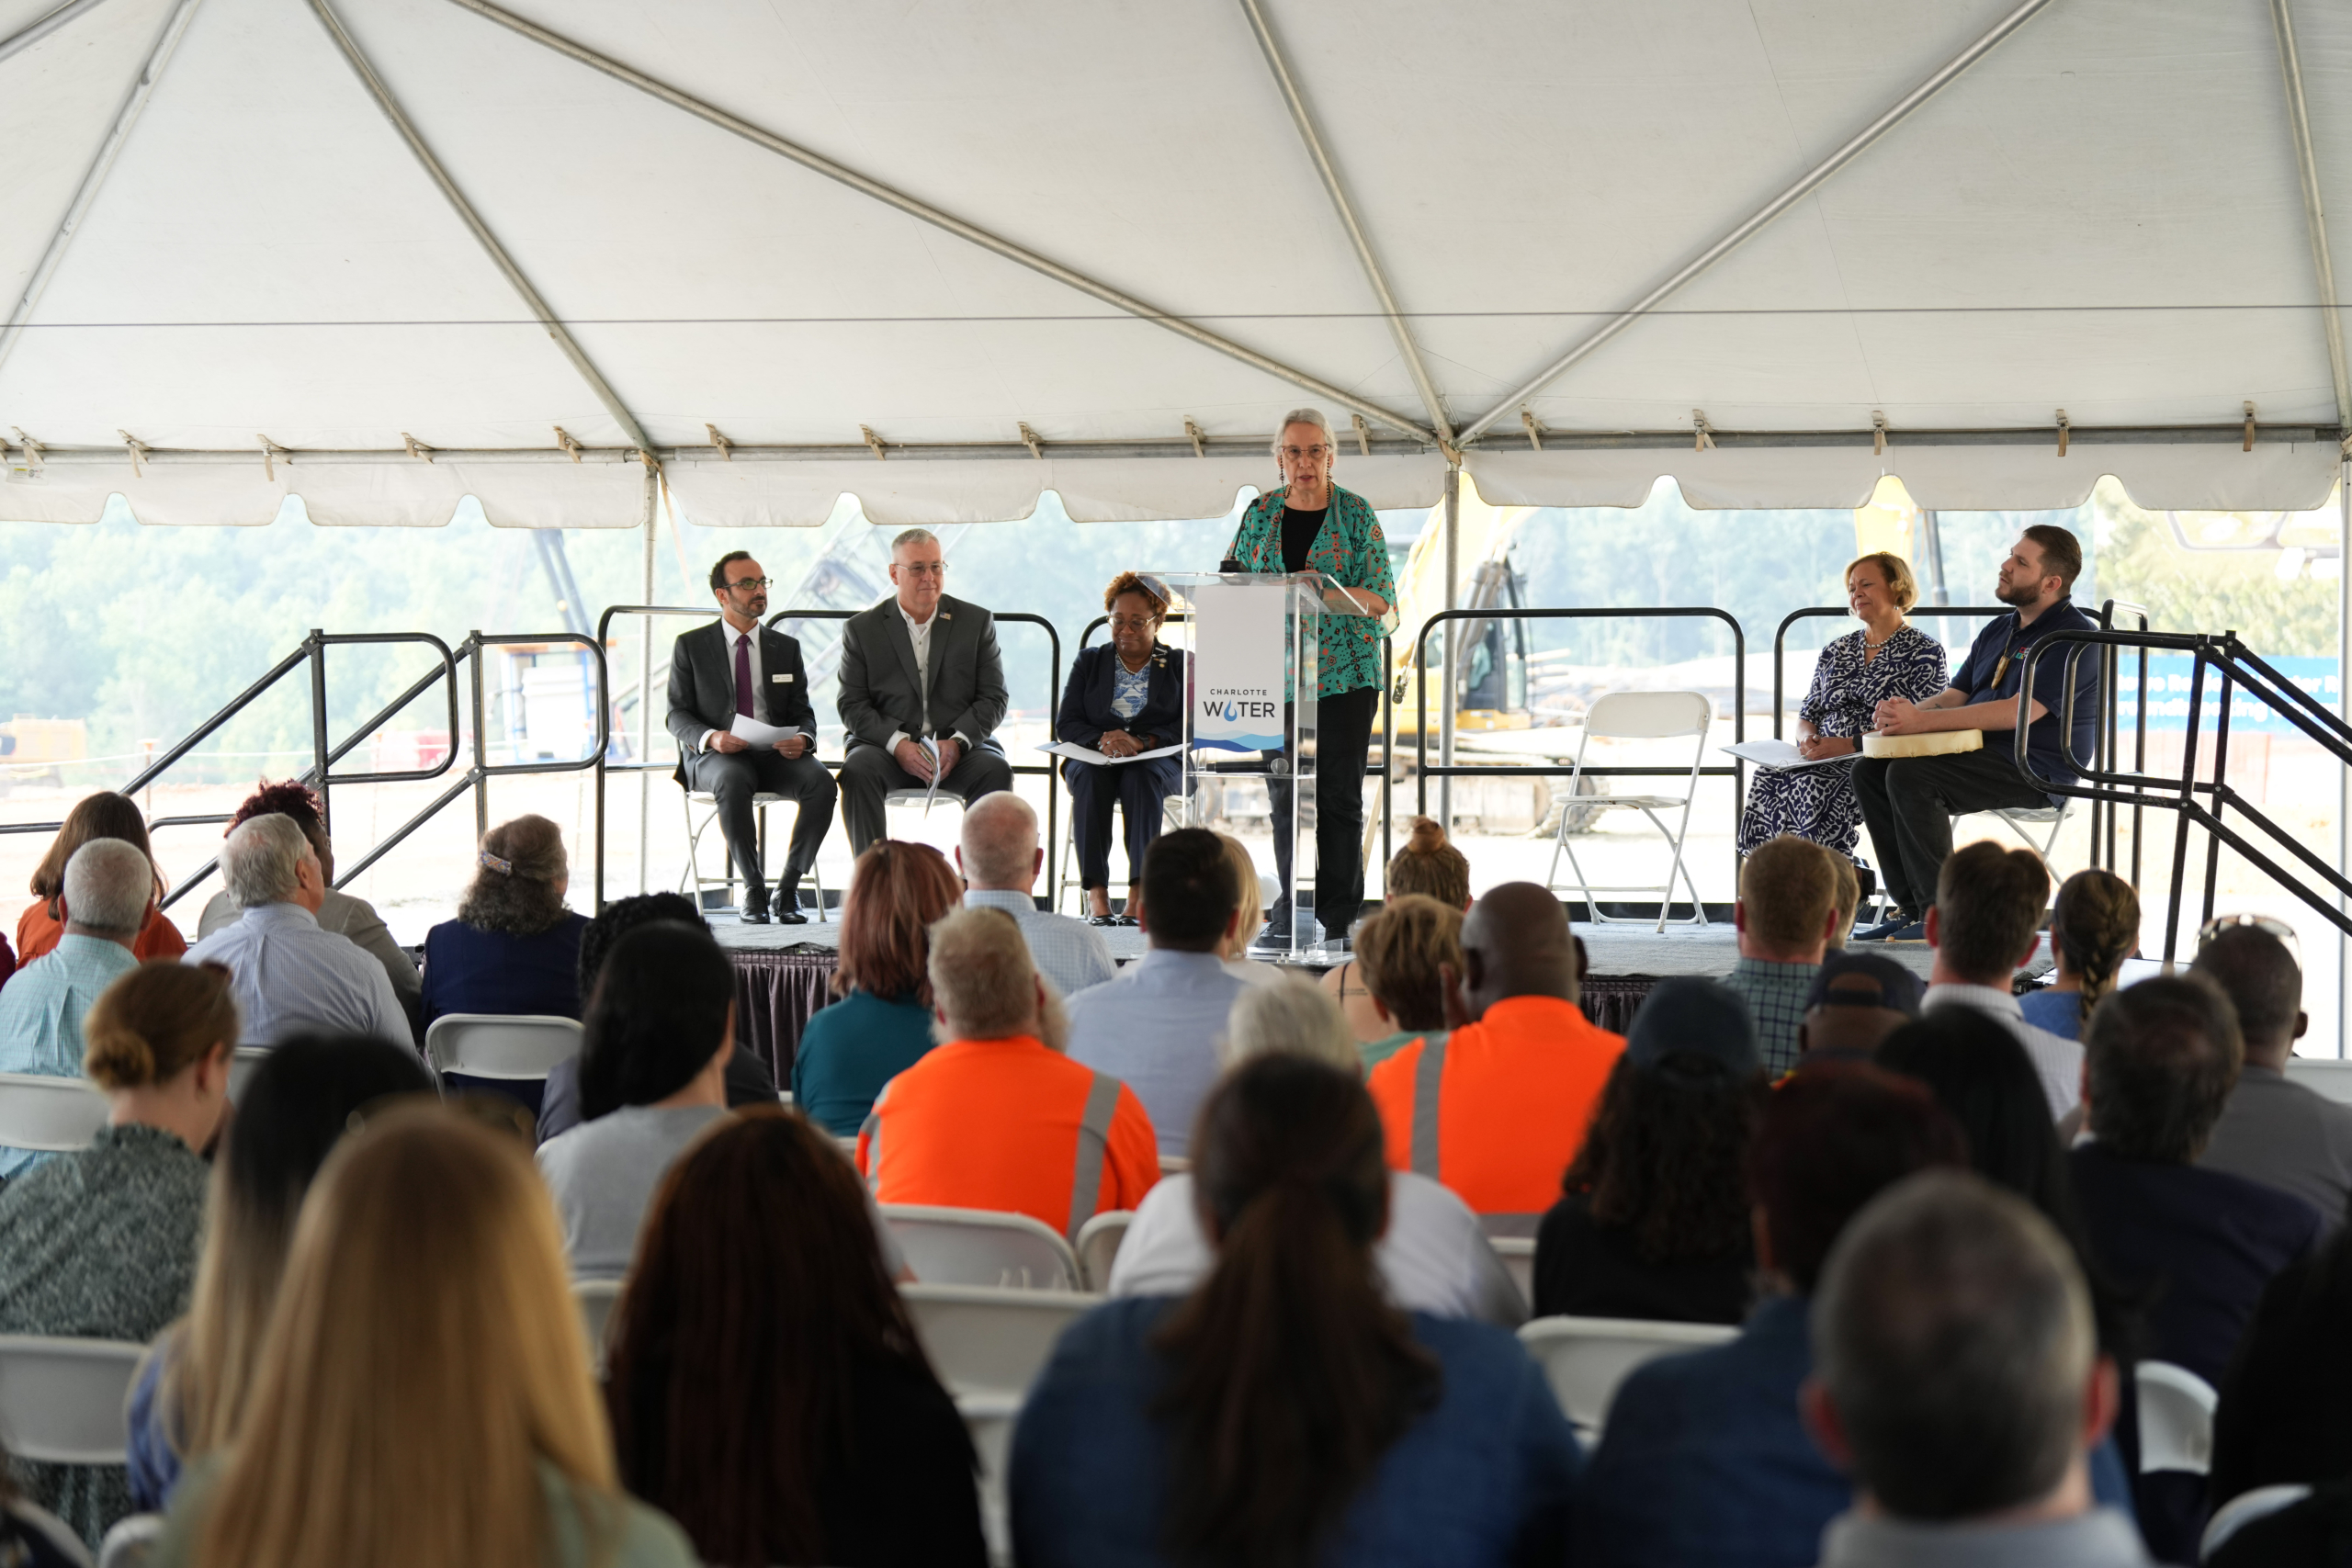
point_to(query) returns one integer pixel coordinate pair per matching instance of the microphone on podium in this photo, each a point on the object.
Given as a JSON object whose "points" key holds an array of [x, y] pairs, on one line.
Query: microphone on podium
{"points": [[1230, 564]]}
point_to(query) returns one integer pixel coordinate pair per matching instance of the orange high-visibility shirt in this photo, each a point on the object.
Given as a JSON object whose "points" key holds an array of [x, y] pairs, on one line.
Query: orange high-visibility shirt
{"points": [[38, 930], [1010, 1125], [1497, 1109]]}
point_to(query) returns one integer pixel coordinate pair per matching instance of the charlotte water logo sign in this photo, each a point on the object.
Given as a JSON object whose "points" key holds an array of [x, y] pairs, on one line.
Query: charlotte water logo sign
{"points": [[1238, 666]]}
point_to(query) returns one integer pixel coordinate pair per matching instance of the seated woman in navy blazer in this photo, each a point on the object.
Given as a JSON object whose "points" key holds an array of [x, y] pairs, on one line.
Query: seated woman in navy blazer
{"points": [[514, 947], [1125, 698]]}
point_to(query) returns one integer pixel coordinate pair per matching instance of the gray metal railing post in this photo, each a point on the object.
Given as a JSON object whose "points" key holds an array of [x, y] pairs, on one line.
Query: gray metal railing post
{"points": [[315, 644], [481, 773]]}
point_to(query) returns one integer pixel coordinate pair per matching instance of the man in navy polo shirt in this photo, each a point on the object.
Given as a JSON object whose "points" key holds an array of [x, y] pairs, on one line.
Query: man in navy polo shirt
{"points": [[1909, 802]]}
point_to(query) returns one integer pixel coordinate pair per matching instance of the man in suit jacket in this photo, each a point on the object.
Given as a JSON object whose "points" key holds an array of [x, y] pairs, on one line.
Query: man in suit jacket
{"points": [[736, 666], [919, 665]]}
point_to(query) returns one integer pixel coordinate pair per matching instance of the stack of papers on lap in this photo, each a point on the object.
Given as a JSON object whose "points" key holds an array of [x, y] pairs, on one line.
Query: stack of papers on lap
{"points": [[1781, 755], [1083, 754]]}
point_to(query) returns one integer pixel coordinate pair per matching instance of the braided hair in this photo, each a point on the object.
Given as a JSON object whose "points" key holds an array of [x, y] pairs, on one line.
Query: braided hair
{"points": [[2095, 926]]}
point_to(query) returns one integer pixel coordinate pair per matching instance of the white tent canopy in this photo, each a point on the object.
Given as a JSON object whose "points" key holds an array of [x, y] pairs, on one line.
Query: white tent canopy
{"points": [[1014, 245]]}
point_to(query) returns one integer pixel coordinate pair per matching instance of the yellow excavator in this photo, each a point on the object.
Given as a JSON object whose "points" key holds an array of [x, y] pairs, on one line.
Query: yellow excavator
{"points": [[1490, 687]]}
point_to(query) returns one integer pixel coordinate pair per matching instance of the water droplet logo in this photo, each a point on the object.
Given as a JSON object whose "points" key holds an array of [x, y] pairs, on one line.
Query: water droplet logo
{"points": [[1231, 713]]}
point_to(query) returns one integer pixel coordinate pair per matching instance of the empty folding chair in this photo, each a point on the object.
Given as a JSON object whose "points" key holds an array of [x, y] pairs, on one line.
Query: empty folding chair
{"points": [[2176, 1409], [61, 1400], [988, 1419], [241, 1067], [2243, 1510], [1587, 1358], [1639, 716], [981, 1246], [496, 1046], [982, 1340], [1517, 1253], [1097, 1246], [48, 1114]]}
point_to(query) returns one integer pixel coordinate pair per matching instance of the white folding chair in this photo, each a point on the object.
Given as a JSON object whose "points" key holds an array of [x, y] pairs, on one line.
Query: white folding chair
{"points": [[241, 1068], [594, 1298], [61, 1400], [983, 1340], [1640, 715], [48, 1114], [2020, 817], [1097, 1246], [2322, 1075], [497, 1046], [1517, 1253], [1172, 816], [2243, 1510], [693, 878], [2175, 1417], [1586, 1357], [982, 1246], [131, 1541]]}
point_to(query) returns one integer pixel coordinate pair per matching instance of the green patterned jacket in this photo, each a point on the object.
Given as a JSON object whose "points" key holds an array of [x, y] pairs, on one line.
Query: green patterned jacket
{"points": [[1351, 550]]}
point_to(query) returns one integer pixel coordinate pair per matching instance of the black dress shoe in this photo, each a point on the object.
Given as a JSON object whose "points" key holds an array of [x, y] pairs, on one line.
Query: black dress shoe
{"points": [[754, 911], [784, 912]]}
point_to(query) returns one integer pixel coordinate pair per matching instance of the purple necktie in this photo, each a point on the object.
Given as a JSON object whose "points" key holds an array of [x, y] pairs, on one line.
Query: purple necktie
{"points": [[743, 676]]}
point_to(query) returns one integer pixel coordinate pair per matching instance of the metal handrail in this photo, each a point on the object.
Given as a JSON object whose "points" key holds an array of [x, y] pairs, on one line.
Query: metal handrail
{"points": [[1737, 772]]}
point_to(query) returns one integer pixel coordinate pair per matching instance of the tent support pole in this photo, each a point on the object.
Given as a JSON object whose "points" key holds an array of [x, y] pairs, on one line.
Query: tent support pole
{"points": [[970, 232], [1804, 186], [645, 680], [1452, 642], [472, 220], [2299, 124], [2343, 706], [1303, 118], [94, 178], [45, 26]]}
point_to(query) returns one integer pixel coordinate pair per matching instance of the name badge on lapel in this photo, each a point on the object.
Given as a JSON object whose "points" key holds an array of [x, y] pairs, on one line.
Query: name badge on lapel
{"points": [[778, 680]]}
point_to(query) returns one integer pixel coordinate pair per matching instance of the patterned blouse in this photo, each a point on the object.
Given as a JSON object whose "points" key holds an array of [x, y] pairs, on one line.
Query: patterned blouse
{"points": [[1353, 551], [100, 1244], [1818, 802]]}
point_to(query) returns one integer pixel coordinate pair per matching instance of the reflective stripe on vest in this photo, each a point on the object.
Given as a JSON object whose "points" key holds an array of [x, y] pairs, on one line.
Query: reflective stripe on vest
{"points": [[1093, 1148], [1428, 1080], [873, 1134]]}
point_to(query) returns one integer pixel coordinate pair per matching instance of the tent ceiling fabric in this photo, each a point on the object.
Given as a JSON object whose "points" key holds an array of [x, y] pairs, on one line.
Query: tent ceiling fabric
{"points": [[2102, 215]]}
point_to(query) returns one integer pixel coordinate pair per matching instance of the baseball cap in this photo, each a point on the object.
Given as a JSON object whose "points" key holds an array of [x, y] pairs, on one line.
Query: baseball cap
{"points": [[1684, 1015], [1865, 979]]}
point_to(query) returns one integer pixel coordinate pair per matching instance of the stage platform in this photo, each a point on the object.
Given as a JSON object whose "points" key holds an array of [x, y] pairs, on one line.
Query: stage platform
{"points": [[783, 972]]}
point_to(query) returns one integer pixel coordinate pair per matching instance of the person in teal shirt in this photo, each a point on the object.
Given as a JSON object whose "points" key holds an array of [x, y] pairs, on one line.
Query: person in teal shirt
{"points": [[881, 1025]]}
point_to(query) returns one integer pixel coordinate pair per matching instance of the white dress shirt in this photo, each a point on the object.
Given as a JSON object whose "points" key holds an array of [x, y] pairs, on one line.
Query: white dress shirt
{"points": [[2057, 1060], [918, 633], [759, 673], [288, 976]]}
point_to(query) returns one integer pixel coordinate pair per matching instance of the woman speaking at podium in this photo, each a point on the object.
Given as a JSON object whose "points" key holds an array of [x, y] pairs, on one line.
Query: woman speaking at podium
{"points": [[1312, 525]]}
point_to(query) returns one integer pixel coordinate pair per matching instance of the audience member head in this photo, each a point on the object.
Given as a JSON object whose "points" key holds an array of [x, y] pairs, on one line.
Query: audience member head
{"points": [[1849, 898], [1250, 903], [1190, 902], [2159, 1060], [1429, 864], [622, 916], [1402, 954], [2093, 926], [999, 846], [2258, 973], [105, 815], [520, 878], [423, 1363], [1290, 1372], [292, 800], [1515, 942], [1856, 999], [1666, 1155], [1956, 1375], [758, 1292], [660, 1023], [108, 889], [897, 891], [265, 859], [158, 1042], [299, 1100], [1984, 1081], [984, 985], [1788, 901], [1292, 1016], [1987, 917], [1832, 1137]]}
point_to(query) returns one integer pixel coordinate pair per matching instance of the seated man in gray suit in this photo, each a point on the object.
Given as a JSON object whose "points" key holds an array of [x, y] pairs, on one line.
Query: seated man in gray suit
{"points": [[736, 666], [919, 665]]}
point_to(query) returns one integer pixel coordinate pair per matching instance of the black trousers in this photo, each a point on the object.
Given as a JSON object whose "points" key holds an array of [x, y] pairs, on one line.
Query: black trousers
{"points": [[1138, 791], [871, 772], [1342, 738], [1909, 803], [732, 778]]}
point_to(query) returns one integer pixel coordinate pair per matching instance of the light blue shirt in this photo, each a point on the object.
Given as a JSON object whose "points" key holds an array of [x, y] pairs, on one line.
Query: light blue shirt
{"points": [[1154, 1029], [40, 1015], [1069, 952], [288, 976]]}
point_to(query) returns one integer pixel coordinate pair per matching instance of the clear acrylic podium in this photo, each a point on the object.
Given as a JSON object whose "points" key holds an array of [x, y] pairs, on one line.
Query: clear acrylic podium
{"points": [[1251, 642]]}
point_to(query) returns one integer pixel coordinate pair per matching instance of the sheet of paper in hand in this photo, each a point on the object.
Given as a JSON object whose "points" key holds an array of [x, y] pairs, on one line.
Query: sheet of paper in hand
{"points": [[1781, 755], [751, 732]]}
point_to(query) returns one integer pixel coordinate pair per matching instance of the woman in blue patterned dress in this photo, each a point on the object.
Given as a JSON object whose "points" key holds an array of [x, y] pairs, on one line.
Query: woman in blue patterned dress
{"points": [[1888, 657]]}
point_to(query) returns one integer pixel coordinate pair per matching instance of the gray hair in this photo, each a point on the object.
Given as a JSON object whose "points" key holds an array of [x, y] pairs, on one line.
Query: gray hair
{"points": [[913, 537], [1293, 1017], [1305, 417], [108, 884], [1000, 842], [1952, 1333], [259, 860]]}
